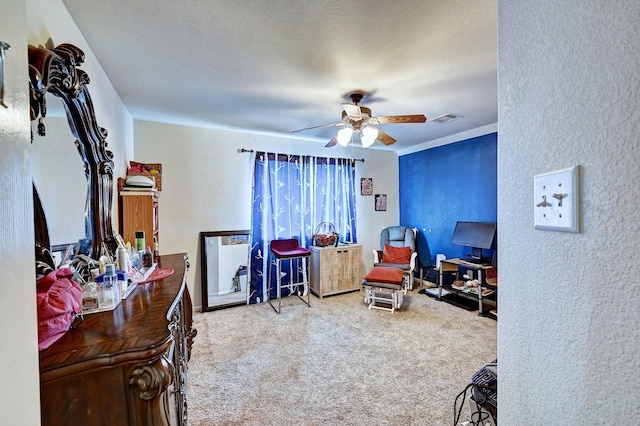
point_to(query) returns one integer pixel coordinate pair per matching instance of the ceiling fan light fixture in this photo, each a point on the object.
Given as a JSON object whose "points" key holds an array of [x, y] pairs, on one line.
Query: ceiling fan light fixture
{"points": [[359, 119], [369, 135], [344, 136]]}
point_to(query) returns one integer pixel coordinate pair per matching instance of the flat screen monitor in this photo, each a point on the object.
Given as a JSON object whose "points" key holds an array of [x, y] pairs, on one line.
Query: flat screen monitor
{"points": [[477, 235]]}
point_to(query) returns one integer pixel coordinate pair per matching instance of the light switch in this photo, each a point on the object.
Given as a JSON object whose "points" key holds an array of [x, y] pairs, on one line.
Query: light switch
{"points": [[557, 200]]}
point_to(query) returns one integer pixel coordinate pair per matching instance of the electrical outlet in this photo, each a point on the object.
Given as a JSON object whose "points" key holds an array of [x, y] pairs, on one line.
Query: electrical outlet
{"points": [[556, 202]]}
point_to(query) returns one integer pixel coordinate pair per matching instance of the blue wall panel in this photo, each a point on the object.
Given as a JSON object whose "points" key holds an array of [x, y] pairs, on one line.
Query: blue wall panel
{"points": [[442, 185]]}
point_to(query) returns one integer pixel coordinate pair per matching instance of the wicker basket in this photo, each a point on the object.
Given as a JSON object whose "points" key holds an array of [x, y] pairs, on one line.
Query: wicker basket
{"points": [[328, 236], [156, 174]]}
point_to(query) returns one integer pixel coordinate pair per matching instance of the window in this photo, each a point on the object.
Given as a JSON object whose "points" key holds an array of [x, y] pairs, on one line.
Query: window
{"points": [[292, 194]]}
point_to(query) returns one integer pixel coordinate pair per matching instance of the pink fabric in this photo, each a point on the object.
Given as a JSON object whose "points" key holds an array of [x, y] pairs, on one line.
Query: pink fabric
{"points": [[59, 299], [158, 274]]}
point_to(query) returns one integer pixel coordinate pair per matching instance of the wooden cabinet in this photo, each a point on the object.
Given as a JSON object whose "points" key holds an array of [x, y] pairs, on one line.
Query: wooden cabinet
{"points": [[335, 269], [127, 366], [139, 212]]}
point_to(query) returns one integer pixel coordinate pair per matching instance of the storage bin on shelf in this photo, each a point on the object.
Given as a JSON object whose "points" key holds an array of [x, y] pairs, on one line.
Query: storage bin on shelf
{"points": [[151, 170]]}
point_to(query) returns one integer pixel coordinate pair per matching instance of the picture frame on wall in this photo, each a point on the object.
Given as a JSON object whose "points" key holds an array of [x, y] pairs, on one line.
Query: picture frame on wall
{"points": [[366, 186], [381, 202]]}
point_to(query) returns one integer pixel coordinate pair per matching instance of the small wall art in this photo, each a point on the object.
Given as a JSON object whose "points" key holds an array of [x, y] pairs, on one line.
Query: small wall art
{"points": [[381, 202], [228, 240], [366, 186]]}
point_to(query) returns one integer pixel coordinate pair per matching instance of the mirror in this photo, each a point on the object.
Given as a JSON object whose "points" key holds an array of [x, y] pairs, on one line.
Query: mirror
{"points": [[62, 190], [54, 71], [224, 273]]}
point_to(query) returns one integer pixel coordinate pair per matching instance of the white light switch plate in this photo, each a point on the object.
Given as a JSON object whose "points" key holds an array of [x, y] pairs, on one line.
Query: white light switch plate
{"points": [[557, 200]]}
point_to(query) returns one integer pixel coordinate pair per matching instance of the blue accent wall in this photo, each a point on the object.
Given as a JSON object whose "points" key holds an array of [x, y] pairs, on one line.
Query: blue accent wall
{"points": [[442, 185]]}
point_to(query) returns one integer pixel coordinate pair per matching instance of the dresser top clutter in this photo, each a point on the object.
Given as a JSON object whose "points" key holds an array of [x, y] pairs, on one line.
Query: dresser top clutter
{"points": [[127, 365], [139, 322]]}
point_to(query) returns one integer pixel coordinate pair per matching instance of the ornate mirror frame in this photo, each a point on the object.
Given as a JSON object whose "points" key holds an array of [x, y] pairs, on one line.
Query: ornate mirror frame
{"points": [[55, 70]]}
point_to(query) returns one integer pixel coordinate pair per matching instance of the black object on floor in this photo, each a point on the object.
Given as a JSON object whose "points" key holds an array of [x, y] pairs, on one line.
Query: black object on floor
{"points": [[461, 301], [470, 304]]}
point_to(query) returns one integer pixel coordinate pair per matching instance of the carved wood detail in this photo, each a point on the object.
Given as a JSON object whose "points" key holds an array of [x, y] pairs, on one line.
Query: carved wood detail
{"points": [[149, 381], [55, 70], [148, 384]]}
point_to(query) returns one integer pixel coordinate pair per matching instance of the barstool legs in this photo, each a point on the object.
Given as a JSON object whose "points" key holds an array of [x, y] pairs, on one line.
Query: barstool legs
{"points": [[293, 286]]}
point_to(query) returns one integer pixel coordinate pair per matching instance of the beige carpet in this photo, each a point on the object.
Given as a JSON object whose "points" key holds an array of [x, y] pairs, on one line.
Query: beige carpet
{"points": [[335, 363]]}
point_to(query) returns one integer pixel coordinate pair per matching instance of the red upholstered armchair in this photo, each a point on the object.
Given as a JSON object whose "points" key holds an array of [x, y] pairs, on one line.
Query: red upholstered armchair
{"points": [[398, 250]]}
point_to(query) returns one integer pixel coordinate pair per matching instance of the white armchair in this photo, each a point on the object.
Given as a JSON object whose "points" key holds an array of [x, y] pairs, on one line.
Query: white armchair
{"points": [[398, 237]]}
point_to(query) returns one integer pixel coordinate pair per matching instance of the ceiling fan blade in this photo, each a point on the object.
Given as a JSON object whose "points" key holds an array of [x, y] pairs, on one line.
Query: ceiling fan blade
{"points": [[317, 127], [385, 138], [332, 142], [399, 119], [353, 111]]}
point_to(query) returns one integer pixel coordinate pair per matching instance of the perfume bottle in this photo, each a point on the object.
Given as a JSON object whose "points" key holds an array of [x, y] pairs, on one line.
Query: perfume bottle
{"points": [[147, 258], [122, 258], [140, 244], [109, 289]]}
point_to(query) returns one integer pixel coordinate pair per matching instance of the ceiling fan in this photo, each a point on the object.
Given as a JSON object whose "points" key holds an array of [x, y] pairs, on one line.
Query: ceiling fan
{"points": [[356, 118]]}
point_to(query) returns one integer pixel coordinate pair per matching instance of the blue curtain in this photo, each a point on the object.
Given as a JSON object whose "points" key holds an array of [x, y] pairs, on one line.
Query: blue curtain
{"points": [[292, 196]]}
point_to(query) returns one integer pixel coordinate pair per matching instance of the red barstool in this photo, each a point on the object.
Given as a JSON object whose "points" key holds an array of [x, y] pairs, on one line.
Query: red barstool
{"points": [[289, 249]]}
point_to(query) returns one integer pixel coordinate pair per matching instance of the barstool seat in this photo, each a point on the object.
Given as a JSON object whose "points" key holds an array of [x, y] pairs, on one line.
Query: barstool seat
{"points": [[289, 249]]}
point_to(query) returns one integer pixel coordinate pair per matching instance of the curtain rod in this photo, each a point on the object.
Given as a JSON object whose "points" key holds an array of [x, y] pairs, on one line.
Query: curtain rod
{"points": [[243, 150]]}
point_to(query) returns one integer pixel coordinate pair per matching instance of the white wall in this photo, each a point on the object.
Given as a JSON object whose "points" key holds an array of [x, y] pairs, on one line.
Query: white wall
{"points": [[230, 257], [569, 304], [206, 184], [20, 399]]}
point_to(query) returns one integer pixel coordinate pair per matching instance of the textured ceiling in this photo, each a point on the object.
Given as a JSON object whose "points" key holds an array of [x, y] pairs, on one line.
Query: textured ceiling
{"points": [[280, 65]]}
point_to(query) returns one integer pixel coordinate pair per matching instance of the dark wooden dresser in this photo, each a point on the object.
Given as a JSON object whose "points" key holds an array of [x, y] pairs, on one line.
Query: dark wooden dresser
{"points": [[127, 366]]}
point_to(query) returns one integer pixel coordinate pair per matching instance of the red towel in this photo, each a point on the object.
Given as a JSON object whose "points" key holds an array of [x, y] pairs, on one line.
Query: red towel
{"points": [[158, 274]]}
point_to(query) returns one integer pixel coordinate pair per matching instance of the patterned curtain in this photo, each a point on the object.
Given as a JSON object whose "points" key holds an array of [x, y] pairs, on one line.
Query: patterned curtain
{"points": [[292, 195]]}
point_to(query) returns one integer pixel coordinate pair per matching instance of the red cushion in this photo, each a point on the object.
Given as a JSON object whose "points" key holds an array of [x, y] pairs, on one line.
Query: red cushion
{"points": [[384, 274], [396, 254]]}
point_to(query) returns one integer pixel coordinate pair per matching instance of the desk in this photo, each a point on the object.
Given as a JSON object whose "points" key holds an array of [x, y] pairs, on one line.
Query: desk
{"points": [[484, 289]]}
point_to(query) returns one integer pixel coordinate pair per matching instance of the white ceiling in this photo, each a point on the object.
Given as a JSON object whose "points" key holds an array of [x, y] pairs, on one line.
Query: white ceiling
{"points": [[281, 65]]}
